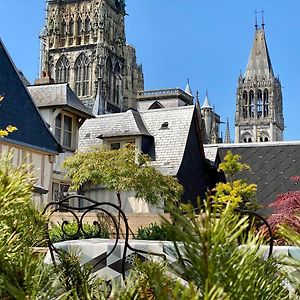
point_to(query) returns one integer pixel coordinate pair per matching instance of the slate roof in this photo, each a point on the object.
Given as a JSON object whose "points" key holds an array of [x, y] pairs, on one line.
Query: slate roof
{"points": [[59, 94], [169, 142], [272, 165], [18, 109], [129, 124]]}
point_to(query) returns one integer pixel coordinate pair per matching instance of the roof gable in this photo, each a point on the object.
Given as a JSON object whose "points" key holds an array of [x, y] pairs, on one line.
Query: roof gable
{"points": [[18, 109]]}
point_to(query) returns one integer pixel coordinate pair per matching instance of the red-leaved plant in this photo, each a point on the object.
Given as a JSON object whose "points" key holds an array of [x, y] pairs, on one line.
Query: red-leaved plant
{"points": [[286, 211]]}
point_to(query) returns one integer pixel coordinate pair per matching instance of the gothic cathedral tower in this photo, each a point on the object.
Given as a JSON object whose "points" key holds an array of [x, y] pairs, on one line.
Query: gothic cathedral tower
{"points": [[84, 43], [259, 114]]}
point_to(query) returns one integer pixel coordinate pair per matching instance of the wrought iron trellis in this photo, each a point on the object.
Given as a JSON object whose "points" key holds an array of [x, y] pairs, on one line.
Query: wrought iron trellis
{"points": [[65, 205]]}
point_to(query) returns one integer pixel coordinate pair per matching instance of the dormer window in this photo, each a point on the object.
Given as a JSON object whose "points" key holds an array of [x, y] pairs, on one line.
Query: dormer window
{"points": [[165, 125]]}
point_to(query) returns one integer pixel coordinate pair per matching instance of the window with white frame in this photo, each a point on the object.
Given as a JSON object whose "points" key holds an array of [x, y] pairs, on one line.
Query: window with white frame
{"points": [[64, 129]]}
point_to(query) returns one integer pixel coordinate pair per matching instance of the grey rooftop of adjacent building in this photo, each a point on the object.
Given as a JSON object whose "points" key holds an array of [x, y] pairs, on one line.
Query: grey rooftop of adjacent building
{"points": [[165, 94], [273, 166], [59, 94], [170, 139]]}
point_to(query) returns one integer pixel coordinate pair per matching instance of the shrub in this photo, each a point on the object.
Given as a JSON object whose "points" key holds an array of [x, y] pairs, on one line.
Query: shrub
{"points": [[70, 232], [152, 232]]}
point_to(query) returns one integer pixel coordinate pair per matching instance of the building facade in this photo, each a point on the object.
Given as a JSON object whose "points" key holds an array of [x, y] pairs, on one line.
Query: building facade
{"points": [[259, 113], [83, 43], [33, 143]]}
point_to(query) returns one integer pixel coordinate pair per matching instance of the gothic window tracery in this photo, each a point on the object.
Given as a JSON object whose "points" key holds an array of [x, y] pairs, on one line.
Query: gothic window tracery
{"points": [[82, 74], [62, 70], [266, 103], [259, 104], [251, 104], [245, 104]]}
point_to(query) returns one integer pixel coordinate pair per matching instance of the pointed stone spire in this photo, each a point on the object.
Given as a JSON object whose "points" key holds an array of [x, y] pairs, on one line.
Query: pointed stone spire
{"points": [[259, 63], [227, 133], [206, 103], [188, 88], [98, 107]]}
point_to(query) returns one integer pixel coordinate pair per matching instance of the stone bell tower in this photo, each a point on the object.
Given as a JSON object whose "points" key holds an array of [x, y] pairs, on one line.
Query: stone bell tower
{"points": [[83, 43], [259, 113]]}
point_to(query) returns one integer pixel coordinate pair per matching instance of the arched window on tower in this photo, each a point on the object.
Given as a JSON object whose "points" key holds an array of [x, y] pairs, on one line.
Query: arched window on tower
{"points": [[82, 75], [251, 104], [87, 29], [109, 79], [266, 103], [62, 70], [245, 104], [71, 32], [259, 104], [79, 31]]}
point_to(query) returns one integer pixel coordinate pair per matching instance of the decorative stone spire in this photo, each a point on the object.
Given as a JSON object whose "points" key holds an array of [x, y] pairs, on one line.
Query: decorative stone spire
{"points": [[259, 63], [206, 103], [188, 88], [227, 133], [98, 107]]}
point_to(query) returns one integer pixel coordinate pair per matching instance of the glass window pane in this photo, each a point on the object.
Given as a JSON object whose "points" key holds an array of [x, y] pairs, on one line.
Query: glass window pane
{"points": [[67, 123]]}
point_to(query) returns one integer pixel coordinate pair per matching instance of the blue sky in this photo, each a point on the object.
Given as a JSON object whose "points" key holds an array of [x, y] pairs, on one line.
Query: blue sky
{"points": [[206, 41]]}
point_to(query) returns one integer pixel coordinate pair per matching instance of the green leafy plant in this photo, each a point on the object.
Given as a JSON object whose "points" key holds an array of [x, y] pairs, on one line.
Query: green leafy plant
{"points": [[122, 170], [237, 192], [152, 232], [56, 233]]}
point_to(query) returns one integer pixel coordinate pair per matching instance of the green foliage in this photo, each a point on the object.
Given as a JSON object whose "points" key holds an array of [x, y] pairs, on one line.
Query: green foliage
{"points": [[56, 233], [17, 213], [78, 282], [213, 261], [21, 227], [232, 165], [122, 170], [236, 192], [149, 280], [152, 232]]}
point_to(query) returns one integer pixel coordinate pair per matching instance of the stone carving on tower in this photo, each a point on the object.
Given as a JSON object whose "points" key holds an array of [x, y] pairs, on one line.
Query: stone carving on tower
{"points": [[84, 43], [259, 113]]}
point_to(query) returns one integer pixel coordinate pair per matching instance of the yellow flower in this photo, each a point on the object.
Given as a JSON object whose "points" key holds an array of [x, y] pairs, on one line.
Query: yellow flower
{"points": [[3, 133], [11, 128]]}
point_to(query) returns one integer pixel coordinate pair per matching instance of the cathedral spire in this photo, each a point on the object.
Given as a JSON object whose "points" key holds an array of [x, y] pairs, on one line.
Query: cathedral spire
{"points": [[188, 88], [227, 133], [259, 63], [206, 103]]}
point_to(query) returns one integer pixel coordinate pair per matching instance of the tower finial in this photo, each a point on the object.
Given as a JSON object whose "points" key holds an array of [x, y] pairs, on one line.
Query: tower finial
{"points": [[262, 19], [227, 133], [255, 12]]}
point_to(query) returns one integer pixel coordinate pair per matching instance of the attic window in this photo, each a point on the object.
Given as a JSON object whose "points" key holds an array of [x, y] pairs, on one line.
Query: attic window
{"points": [[88, 135], [164, 125]]}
